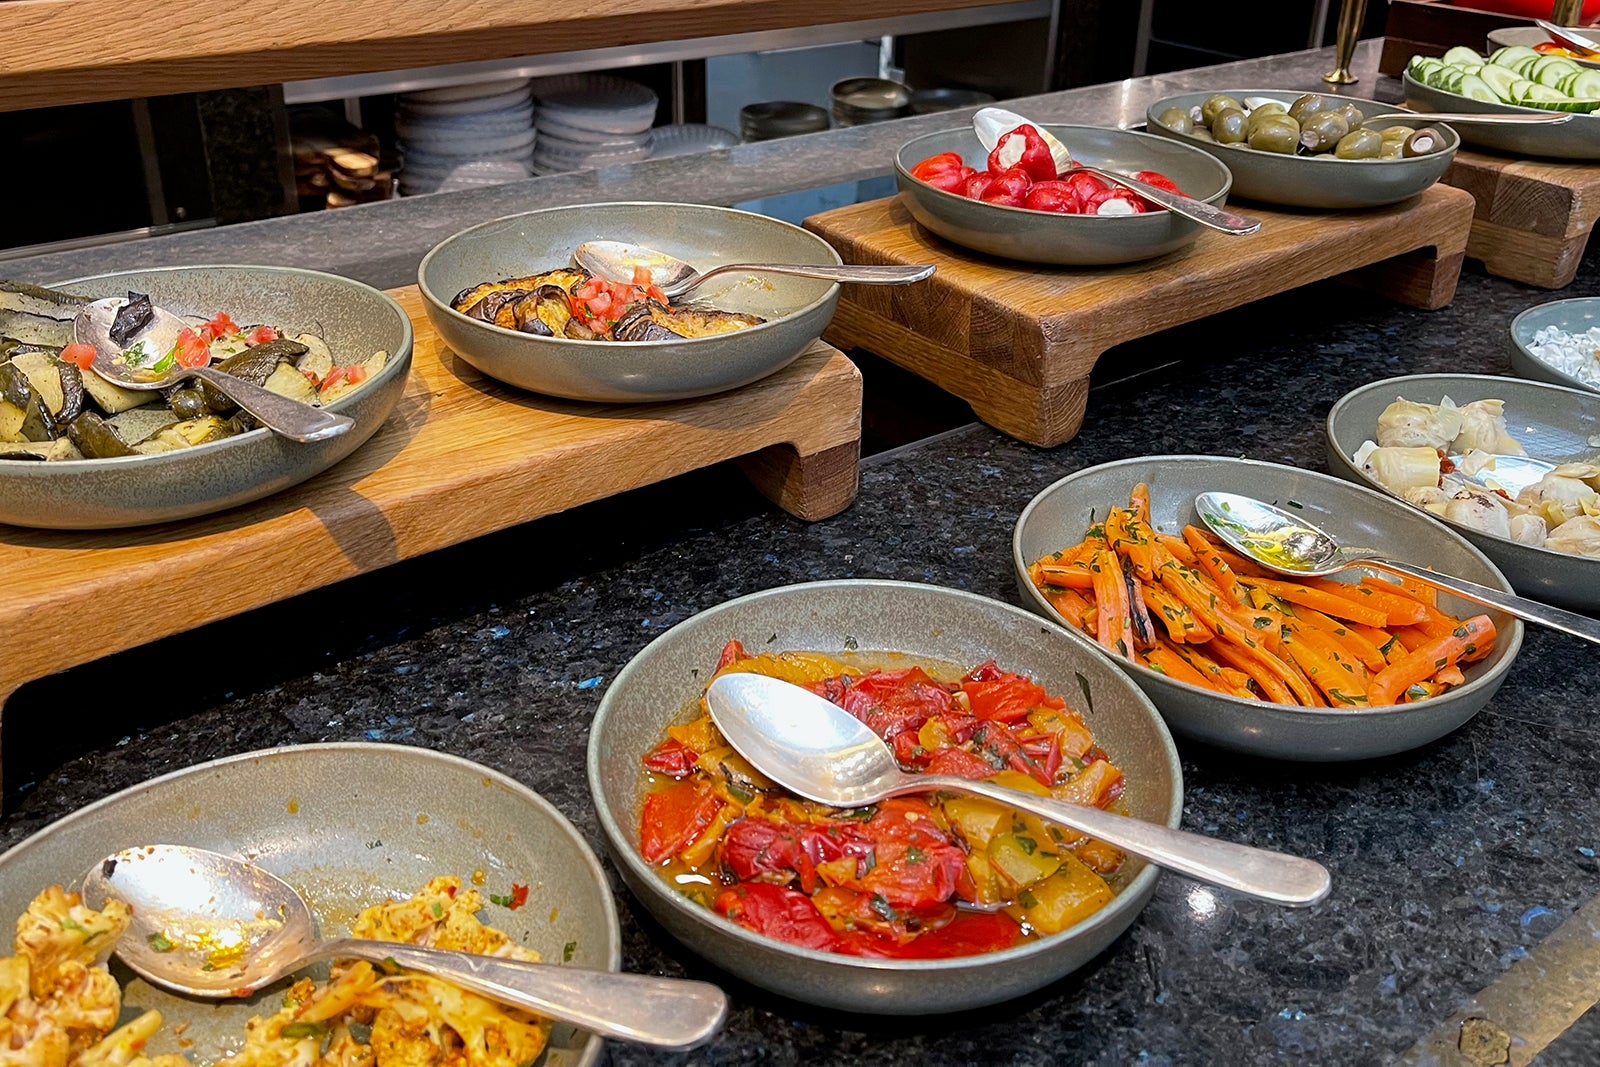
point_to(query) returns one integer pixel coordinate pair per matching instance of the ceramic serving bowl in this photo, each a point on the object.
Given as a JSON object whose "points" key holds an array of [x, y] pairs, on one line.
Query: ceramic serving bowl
{"points": [[1551, 422], [1577, 139], [665, 680], [348, 825], [1576, 316], [1321, 181], [797, 310], [355, 319], [1528, 36], [1066, 240], [1357, 517]]}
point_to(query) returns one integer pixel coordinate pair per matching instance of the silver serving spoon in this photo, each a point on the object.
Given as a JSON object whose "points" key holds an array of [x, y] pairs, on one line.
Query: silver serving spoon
{"points": [[1290, 545], [193, 908], [815, 748], [1554, 118], [993, 123], [92, 326], [1565, 35], [616, 261]]}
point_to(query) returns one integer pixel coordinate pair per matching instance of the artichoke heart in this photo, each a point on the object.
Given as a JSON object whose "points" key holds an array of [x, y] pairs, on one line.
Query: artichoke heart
{"points": [[188, 433]]}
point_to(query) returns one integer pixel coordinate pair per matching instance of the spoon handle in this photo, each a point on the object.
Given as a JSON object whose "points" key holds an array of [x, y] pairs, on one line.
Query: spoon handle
{"points": [[1261, 873], [292, 419], [1568, 622], [1485, 119], [669, 1013], [861, 274], [1198, 210]]}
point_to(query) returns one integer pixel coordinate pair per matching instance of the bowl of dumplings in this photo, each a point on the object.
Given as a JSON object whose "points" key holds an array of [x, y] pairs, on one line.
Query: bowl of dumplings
{"points": [[1513, 465]]}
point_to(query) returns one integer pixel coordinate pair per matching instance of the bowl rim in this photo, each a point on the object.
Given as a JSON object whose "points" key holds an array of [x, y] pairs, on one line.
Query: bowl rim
{"points": [[1587, 396], [615, 348], [904, 173], [1326, 157], [623, 845], [1408, 81], [1511, 645], [1516, 330], [398, 364]]}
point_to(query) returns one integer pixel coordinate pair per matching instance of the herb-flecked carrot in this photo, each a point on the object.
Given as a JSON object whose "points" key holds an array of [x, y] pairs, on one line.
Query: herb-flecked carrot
{"points": [[1427, 660], [1397, 610], [1215, 567], [1111, 597], [1327, 603]]}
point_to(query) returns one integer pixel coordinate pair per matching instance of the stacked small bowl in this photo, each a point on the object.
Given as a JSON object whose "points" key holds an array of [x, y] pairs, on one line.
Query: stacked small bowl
{"points": [[461, 136], [591, 120]]}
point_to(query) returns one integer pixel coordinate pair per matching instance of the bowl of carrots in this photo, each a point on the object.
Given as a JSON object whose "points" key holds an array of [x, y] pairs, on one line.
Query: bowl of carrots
{"points": [[1353, 666]]}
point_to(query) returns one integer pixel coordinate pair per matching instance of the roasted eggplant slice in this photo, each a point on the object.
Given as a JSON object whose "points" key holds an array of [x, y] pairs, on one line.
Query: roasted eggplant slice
{"points": [[97, 438], [132, 318], [647, 321], [474, 293], [545, 311], [24, 299], [697, 320], [38, 421], [486, 309]]}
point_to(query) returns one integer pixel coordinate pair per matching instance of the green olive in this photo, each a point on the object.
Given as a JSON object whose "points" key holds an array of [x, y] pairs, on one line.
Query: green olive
{"points": [[1396, 133], [1360, 144], [1306, 106], [1230, 126], [1392, 150], [1281, 136], [1177, 120], [1352, 114], [1260, 115], [1321, 131], [1424, 142], [1269, 107], [1200, 133], [1215, 105]]}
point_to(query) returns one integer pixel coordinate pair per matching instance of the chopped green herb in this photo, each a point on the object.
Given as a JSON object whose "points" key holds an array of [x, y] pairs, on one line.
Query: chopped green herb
{"points": [[1027, 899], [304, 1029], [881, 907], [159, 942], [1029, 845], [502, 899], [438, 909], [567, 951], [915, 854], [389, 966]]}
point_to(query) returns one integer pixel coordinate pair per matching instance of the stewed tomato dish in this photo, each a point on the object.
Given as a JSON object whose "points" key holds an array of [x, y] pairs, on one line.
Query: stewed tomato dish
{"points": [[925, 876]]}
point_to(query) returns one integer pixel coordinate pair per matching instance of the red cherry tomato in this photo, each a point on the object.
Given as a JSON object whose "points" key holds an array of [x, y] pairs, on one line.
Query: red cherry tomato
{"points": [[1008, 189], [1023, 147], [976, 184], [1059, 197]]}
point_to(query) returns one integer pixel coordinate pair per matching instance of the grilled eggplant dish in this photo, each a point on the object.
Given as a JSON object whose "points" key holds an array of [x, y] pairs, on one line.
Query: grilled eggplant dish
{"points": [[570, 302], [53, 406]]}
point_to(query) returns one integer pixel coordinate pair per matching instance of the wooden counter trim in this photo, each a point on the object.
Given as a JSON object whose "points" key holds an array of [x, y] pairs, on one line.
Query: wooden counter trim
{"points": [[47, 56]]}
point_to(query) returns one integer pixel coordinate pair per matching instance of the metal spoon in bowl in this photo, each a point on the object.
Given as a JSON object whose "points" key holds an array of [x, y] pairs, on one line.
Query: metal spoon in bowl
{"points": [[1569, 37], [617, 260], [815, 748], [993, 123], [1291, 545], [214, 926], [93, 326]]}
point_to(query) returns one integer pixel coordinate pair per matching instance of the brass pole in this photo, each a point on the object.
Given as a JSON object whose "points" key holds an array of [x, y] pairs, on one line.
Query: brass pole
{"points": [[1567, 13], [1351, 15]]}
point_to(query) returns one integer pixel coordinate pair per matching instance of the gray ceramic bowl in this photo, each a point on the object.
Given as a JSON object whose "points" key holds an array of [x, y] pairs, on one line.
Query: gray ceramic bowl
{"points": [[1359, 517], [1578, 139], [355, 319], [1323, 181], [1551, 422], [348, 825], [664, 680], [1578, 315], [797, 309], [1066, 240]]}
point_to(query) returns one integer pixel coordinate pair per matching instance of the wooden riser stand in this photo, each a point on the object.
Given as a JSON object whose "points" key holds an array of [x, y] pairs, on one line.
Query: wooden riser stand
{"points": [[461, 456], [1532, 218], [1017, 341]]}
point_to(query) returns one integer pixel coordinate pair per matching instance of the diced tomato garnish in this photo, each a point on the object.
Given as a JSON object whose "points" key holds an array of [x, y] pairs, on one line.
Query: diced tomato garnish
{"points": [[260, 335], [777, 912], [192, 349], [333, 377], [519, 896], [642, 277], [220, 326], [82, 355]]}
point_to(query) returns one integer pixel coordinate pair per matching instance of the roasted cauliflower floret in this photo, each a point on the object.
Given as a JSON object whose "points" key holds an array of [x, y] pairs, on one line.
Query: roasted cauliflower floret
{"points": [[57, 929], [443, 915]]}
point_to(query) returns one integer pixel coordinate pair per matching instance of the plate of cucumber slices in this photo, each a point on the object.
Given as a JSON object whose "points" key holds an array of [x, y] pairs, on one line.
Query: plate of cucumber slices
{"points": [[1513, 79]]}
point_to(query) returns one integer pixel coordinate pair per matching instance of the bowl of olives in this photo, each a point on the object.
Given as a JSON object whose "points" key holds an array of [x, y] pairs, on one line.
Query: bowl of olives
{"points": [[1309, 150]]}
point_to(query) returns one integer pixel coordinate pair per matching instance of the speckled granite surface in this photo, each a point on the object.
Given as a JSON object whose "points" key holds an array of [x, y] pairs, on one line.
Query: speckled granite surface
{"points": [[1450, 863]]}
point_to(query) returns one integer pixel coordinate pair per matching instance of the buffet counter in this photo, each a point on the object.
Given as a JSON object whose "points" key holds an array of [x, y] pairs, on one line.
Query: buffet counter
{"points": [[1463, 927]]}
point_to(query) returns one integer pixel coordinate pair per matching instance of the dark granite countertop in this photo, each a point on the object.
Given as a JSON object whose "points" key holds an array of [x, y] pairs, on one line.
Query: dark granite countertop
{"points": [[1457, 867]]}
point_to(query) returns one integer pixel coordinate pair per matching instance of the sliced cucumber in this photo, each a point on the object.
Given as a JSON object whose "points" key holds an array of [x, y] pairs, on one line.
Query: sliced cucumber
{"points": [[1543, 94], [1568, 80], [1586, 86], [1451, 79], [1499, 79], [1475, 88], [1563, 103], [1519, 90], [1510, 55], [1525, 67], [1549, 70], [1461, 55]]}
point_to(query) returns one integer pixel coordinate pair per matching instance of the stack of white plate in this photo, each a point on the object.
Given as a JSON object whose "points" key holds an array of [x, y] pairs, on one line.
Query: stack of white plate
{"points": [[591, 120], [688, 138], [463, 136]]}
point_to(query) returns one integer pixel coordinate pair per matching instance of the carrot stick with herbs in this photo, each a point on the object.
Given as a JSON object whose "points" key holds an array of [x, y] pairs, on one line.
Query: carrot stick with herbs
{"points": [[1174, 666], [1175, 615], [1126, 538], [1397, 610], [1139, 502], [1113, 624], [1271, 686], [1323, 601], [1435, 623], [1391, 683], [1215, 567]]}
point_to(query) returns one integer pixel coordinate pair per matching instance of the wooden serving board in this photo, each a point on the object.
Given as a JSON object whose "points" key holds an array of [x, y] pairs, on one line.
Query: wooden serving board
{"points": [[1533, 216], [1017, 341], [461, 456]]}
